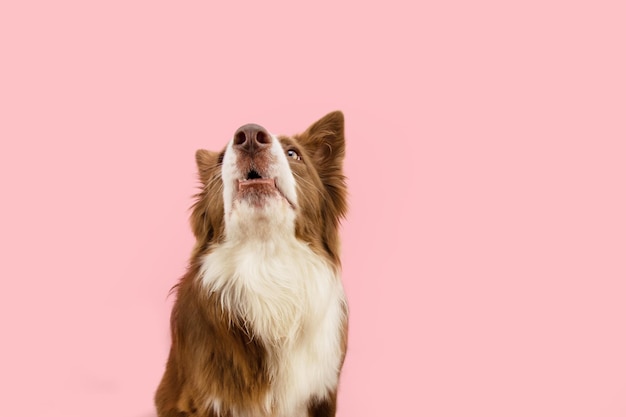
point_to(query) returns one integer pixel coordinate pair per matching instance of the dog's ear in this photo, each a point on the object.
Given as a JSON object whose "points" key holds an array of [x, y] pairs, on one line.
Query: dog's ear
{"points": [[208, 210], [325, 142], [207, 162]]}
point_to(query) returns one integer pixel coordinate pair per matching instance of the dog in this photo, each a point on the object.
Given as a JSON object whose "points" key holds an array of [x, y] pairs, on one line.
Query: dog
{"points": [[260, 322]]}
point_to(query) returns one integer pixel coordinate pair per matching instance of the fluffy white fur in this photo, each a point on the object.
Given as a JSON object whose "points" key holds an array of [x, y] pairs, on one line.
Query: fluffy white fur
{"points": [[294, 302], [287, 295]]}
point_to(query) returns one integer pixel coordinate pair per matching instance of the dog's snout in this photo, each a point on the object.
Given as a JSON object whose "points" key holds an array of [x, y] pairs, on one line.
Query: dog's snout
{"points": [[251, 138]]}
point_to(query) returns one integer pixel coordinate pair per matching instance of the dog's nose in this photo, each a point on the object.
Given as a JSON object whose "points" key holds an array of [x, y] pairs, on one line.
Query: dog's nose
{"points": [[252, 138]]}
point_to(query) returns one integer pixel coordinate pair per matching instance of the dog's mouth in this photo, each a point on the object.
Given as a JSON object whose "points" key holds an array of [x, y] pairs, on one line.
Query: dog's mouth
{"points": [[255, 183], [254, 179]]}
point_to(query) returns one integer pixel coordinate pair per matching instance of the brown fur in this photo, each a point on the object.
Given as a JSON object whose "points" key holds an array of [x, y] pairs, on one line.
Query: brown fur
{"points": [[210, 357]]}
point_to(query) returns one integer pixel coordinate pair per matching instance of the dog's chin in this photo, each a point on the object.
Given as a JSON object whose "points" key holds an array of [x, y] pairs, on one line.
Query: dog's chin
{"points": [[259, 212], [260, 192]]}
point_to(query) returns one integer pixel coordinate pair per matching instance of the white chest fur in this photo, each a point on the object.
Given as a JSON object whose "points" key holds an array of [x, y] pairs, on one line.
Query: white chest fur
{"points": [[294, 301]]}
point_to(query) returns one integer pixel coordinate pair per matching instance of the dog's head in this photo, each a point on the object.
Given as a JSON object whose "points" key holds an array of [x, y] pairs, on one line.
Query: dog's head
{"points": [[263, 186]]}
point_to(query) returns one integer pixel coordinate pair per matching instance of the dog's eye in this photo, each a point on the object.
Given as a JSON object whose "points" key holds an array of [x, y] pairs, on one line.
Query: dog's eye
{"points": [[292, 153]]}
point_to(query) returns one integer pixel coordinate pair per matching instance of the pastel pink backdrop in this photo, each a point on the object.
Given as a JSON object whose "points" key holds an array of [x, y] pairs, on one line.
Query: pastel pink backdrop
{"points": [[484, 253]]}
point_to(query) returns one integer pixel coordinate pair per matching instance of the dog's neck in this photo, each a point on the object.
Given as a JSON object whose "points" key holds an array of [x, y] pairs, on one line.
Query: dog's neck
{"points": [[273, 222]]}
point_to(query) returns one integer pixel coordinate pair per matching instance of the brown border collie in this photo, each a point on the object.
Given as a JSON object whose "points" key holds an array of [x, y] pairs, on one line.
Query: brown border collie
{"points": [[259, 326]]}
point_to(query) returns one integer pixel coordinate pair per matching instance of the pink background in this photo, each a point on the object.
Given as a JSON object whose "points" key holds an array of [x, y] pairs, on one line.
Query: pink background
{"points": [[484, 253]]}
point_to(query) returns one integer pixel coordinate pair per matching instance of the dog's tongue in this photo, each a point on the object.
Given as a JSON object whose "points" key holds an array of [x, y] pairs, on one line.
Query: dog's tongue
{"points": [[243, 184]]}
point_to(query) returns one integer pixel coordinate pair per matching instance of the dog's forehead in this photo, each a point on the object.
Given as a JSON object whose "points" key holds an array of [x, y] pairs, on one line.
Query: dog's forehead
{"points": [[289, 140]]}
